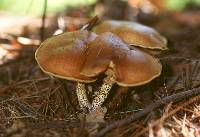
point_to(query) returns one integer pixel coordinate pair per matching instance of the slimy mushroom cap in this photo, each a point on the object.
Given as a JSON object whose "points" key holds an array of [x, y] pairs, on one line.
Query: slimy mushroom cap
{"points": [[63, 55], [110, 55], [133, 33]]}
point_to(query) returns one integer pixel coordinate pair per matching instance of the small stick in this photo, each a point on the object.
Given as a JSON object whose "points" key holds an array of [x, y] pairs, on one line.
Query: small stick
{"points": [[91, 23], [43, 21], [181, 106], [173, 98]]}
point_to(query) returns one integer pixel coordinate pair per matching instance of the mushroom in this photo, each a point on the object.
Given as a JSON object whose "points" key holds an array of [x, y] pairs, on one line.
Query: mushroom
{"points": [[126, 67], [81, 56], [63, 55], [133, 34]]}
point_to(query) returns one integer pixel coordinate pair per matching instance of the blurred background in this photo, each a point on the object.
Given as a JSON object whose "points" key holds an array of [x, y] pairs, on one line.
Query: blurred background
{"points": [[27, 22], [70, 14], [35, 7]]}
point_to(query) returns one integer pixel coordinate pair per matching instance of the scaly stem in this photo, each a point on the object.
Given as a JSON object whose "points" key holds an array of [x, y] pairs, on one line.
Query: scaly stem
{"points": [[102, 94], [82, 96]]}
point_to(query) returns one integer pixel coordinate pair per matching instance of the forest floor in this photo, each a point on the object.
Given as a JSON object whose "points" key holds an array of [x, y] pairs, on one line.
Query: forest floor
{"points": [[33, 104]]}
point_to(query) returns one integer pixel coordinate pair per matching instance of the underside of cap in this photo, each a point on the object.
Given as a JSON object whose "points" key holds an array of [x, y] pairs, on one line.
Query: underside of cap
{"points": [[130, 67], [63, 55], [133, 34]]}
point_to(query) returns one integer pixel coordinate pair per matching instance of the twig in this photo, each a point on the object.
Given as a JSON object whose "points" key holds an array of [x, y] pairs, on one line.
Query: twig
{"points": [[173, 98], [178, 108], [12, 85], [91, 23], [178, 59], [43, 21], [25, 109], [66, 96], [57, 124]]}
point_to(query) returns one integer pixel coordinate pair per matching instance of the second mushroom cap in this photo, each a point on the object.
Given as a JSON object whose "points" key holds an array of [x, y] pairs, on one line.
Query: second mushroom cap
{"points": [[133, 34]]}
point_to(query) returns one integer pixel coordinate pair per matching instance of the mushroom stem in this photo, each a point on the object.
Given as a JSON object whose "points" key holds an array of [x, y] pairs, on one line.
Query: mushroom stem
{"points": [[82, 96], [102, 94]]}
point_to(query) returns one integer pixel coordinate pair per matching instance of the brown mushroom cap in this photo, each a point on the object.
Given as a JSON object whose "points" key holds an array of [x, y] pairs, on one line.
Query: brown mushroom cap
{"points": [[133, 33], [63, 55], [130, 67]]}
